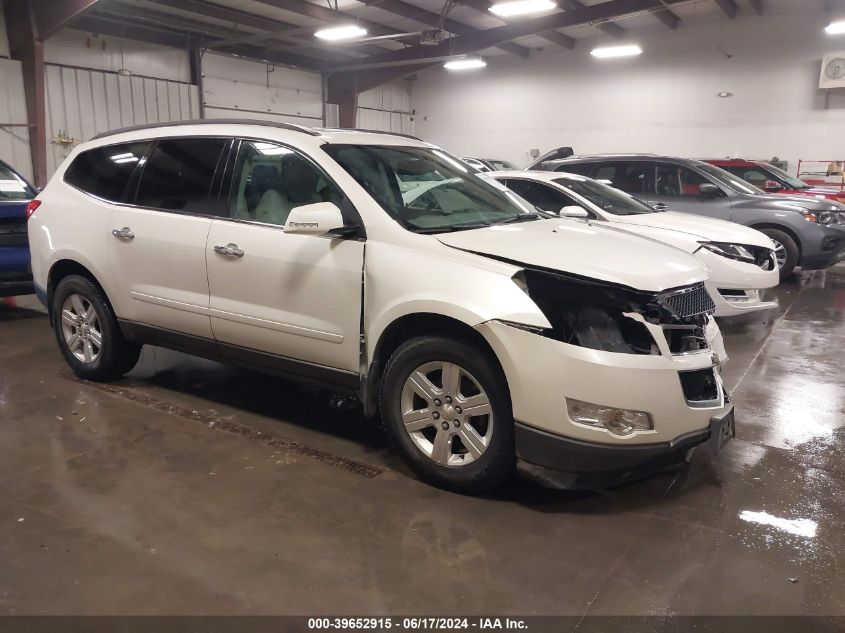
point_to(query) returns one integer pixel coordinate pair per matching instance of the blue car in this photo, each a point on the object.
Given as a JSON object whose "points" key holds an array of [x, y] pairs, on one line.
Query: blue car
{"points": [[15, 271]]}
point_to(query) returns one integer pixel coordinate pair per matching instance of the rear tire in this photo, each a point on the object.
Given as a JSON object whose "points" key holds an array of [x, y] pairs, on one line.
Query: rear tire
{"points": [[466, 442], [87, 332], [786, 250]]}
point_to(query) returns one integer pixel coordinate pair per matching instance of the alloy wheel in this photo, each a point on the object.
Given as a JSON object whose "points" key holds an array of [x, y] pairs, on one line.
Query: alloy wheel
{"points": [[780, 254], [447, 413], [81, 328]]}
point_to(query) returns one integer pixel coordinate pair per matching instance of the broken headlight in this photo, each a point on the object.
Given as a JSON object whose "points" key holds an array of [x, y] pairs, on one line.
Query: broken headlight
{"points": [[591, 314]]}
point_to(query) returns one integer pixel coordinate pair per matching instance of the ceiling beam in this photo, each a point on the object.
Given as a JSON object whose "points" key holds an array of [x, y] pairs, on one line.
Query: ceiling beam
{"points": [[51, 16], [728, 6], [466, 44], [608, 28], [405, 10], [483, 6], [668, 17], [324, 14]]}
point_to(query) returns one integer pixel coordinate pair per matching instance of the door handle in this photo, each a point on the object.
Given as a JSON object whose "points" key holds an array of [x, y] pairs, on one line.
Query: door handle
{"points": [[230, 250], [659, 206], [123, 234]]}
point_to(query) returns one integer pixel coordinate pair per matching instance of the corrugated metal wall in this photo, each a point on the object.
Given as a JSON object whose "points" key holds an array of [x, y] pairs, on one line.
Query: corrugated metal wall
{"points": [[14, 140], [82, 103], [386, 108], [240, 88]]}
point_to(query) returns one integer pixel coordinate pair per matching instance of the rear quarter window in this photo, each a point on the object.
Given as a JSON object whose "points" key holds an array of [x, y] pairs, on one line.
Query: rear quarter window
{"points": [[105, 171]]}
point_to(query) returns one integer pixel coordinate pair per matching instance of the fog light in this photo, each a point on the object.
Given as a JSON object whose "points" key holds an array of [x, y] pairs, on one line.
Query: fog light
{"points": [[618, 421]]}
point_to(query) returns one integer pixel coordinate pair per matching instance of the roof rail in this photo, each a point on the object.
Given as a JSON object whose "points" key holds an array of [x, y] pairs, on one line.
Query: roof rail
{"points": [[152, 126], [358, 129]]}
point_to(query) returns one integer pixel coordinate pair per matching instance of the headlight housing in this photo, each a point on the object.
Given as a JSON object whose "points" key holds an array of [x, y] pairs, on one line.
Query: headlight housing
{"points": [[821, 217], [621, 422], [757, 255]]}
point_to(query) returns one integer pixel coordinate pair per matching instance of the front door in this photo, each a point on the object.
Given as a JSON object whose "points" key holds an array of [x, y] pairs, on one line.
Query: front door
{"points": [[678, 188], [157, 248], [294, 299]]}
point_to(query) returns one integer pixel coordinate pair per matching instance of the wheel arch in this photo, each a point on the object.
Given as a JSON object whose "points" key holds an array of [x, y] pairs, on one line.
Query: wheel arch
{"points": [[780, 227], [410, 326], [64, 268]]}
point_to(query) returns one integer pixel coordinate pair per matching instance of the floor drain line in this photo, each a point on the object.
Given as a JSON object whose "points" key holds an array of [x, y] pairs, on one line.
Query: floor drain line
{"points": [[222, 424]]}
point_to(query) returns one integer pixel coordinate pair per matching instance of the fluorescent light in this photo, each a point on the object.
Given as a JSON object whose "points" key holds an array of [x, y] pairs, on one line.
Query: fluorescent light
{"points": [[521, 7], [465, 64], [346, 32], [835, 28], [616, 51], [125, 155]]}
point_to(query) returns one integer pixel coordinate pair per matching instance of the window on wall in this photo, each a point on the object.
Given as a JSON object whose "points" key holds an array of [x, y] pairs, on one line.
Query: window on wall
{"points": [[633, 178], [178, 174], [271, 180], [675, 180], [105, 171]]}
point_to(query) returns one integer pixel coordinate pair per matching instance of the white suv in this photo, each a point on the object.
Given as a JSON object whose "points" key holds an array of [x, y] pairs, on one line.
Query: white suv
{"points": [[482, 333]]}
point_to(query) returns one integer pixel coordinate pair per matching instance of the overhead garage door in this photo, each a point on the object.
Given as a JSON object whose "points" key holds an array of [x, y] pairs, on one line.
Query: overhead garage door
{"points": [[240, 88], [82, 103]]}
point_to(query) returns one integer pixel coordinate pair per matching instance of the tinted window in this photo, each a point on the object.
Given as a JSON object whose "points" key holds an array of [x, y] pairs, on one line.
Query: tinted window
{"points": [[541, 196], [634, 178], [607, 198], [582, 169], [753, 175], [12, 186], [270, 180], [178, 174], [105, 171], [675, 180]]}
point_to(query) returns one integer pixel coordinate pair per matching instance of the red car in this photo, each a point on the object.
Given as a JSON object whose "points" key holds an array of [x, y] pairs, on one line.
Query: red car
{"points": [[772, 179]]}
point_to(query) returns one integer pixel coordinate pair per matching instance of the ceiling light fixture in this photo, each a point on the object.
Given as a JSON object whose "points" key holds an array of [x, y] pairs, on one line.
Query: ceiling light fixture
{"points": [[521, 7], [466, 63], [336, 33], [616, 51], [835, 28]]}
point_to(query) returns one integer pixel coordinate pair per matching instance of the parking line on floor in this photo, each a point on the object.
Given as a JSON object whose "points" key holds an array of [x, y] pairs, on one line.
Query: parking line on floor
{"points": [[220, 423]]}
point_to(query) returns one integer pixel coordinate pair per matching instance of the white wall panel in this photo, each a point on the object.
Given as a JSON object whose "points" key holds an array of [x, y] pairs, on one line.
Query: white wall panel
{"points": [[240, 88], [82, 103], [386, 108], [14, 141], [663, 101]]}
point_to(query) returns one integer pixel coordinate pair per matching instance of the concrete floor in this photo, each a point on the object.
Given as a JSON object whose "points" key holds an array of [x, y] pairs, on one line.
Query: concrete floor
{"points": [[190, 487]]}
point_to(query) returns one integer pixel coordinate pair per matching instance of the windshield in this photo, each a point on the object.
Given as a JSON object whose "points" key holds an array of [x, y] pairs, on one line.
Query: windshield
{"points": [[734, 182], [13, 187], [781, 175], [428, 191], [607, 198]]}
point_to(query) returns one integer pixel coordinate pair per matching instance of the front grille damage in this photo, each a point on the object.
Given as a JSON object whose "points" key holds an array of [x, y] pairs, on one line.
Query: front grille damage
{"points": [[605, 317], [700, 387]]}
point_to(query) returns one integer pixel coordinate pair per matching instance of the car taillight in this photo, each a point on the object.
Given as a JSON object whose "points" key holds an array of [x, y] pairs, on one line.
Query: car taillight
{"points": [[31, 207]]}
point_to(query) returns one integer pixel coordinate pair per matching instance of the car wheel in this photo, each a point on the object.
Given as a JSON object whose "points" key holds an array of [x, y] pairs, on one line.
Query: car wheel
{"points": [[445, 406], [87, 331], [786, 251]]}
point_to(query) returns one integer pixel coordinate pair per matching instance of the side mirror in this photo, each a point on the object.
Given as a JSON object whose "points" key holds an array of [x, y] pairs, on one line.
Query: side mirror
{"points": [[772, 186], [708, 189], [314, 219], [573, 211]]}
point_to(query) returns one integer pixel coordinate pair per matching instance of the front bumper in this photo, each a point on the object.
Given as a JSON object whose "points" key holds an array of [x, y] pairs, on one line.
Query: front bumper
{"points": [[735, 286], [542, 455], [542, 373], [826, 251]]}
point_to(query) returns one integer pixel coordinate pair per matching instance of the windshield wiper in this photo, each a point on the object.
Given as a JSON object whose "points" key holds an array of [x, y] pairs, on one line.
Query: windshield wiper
{"points": [[528, 217], [451, 227]]}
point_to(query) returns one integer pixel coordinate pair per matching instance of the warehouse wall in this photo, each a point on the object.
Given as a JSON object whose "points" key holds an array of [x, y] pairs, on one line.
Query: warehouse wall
{"points": [[386, 108], [241, 88], [663, 101], [4, 40], [14, 140]]}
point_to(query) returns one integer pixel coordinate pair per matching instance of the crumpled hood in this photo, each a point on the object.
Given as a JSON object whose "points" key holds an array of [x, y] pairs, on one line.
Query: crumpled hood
{"points": [[696, 228], [585, 249]]}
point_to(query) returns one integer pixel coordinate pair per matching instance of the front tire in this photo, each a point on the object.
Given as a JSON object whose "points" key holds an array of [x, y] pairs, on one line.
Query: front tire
{"points": [[446, 408], [87, 332], [786, 251]]}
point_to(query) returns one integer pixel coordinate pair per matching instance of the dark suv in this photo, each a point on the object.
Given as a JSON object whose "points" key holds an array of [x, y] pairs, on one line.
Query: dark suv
{"points": [[15, 194], [807, 232]]}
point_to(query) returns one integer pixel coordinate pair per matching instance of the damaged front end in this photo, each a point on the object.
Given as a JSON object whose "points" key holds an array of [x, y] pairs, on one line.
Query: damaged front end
{"points": [[614, 318]]}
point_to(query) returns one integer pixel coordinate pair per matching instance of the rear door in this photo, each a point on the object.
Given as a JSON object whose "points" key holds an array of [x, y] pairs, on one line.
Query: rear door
{"points": [[157, 250], [284, 301], [677, 188]]}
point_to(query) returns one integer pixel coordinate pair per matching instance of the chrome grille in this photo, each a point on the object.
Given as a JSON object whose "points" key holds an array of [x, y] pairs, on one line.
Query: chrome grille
{"points": [[688, 302]]}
